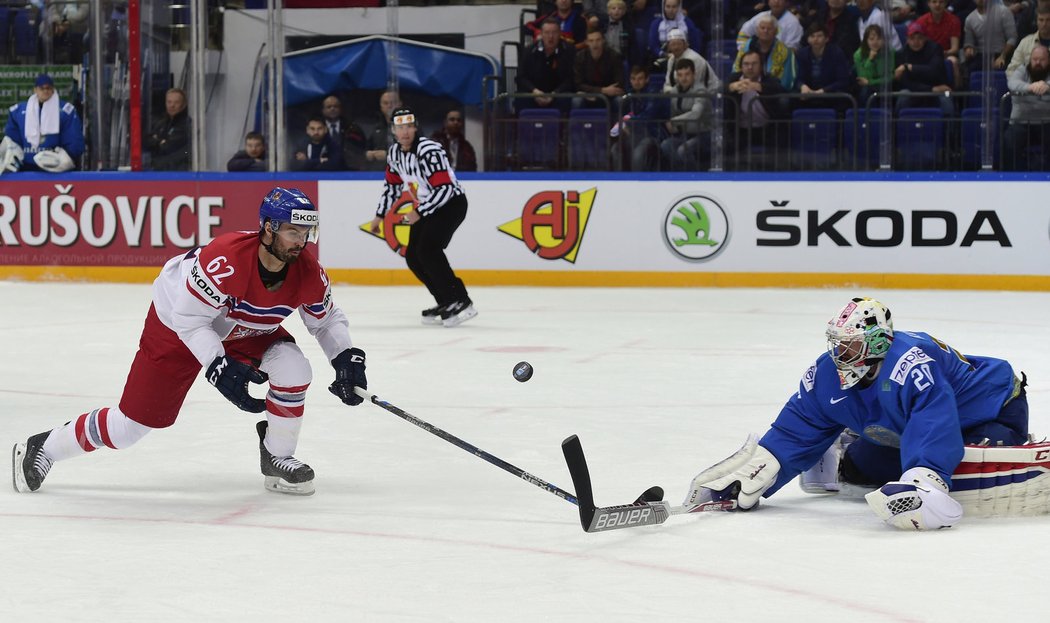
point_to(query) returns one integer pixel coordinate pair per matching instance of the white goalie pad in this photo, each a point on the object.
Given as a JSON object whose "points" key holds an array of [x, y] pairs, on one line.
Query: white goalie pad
{"points": [[11, 156], [54, 161], [1004, 481]]}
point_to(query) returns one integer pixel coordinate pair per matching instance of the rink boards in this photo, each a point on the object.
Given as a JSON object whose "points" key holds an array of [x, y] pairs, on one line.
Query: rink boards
{"points": [[953, 232]]}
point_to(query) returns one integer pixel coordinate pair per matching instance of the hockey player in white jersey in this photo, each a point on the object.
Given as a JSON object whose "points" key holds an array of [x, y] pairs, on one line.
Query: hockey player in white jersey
{"points": [[220, 308], [900, 414]]}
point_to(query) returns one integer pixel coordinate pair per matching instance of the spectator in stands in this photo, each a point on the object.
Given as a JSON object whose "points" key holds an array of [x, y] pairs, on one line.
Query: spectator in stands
{"points": [[1040, 37], [382, 136], [677, 48], [42, 133], [996, 21], [317, 151], [778, 60], [546, 69], [920, 69], [1030, 116], [902, 11], [688, 143], [789, 30], [755, 113], [596, 13], [619, 31], [641, 129], [251, 159], [572, 27], [870, 64], [347, 135], [841, 21], [672, 17], [67, 47], [1028, 22], [945, 30], [169, 141], [598, 70], [460, 152], [823, 68], [871, 14]]}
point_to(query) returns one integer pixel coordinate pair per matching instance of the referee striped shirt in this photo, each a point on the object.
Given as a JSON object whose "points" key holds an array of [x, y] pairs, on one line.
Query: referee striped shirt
{"points": [[427, 171]]}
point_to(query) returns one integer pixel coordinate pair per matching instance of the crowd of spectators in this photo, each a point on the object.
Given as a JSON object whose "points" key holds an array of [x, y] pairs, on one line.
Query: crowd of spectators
{"points": [[821, 53], [656, 67]]}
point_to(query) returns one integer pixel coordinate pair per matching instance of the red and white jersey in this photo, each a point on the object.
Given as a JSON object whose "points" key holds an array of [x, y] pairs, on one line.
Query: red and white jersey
{"points": [[214, 294]]}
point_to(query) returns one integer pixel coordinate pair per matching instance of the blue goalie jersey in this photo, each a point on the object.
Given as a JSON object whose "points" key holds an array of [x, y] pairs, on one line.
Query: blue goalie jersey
{"points": [[926, 394]]}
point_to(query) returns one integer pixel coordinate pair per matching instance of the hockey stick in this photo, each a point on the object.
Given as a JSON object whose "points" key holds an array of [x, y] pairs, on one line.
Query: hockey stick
{"points": [[476, 451], [648, 510]]}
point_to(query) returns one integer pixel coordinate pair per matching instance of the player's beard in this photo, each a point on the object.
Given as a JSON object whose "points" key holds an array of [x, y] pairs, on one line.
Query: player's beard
{"points": [[282, 253]]}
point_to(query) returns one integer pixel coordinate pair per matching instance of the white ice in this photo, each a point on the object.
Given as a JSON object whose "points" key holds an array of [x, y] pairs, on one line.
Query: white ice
{"points": [[404, 526]]}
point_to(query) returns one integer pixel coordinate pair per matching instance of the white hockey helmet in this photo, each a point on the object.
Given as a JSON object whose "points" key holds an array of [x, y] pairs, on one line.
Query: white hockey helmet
{"points": [[859, 336]]}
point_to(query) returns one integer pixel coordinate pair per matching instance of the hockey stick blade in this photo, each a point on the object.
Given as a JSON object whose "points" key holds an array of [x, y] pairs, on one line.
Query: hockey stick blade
{"points": [[599, 519]]}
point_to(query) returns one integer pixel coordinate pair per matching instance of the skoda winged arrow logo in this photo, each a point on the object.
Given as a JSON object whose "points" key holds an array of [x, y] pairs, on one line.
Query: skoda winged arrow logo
{"points": [[696, 228]]}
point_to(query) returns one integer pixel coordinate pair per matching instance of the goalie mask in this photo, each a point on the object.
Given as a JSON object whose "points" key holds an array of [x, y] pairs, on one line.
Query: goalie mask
{"points": [[859, 336], [284, 205]]}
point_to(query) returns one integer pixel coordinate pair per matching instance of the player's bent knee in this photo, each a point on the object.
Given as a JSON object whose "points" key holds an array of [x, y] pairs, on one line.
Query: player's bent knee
{"points": [[287, 366], [122, 430]]}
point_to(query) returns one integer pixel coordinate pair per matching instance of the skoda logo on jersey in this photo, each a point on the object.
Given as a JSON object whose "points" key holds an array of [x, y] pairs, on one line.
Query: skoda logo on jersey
{"points": [[696, 228]]}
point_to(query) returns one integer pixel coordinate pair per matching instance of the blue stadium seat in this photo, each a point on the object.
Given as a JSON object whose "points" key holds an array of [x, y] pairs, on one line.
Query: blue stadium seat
{"points": [[999, 80], [920, 138], [25, 34], [588, 139], [539, 138], [814, 139], [869, 128], [5, 28], [972, 129]]}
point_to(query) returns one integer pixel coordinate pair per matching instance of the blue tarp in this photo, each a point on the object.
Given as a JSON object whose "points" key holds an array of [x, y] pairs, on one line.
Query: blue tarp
{"points": [[362, 64]]}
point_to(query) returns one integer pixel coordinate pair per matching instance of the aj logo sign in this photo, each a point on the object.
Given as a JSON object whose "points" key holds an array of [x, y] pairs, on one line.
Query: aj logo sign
{"points": [[552, 223], [696, 228], [394, 230]]}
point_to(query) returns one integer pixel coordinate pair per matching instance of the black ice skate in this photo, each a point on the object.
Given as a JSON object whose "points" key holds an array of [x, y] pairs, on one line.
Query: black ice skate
{"points": [[283, 474], [432, 315], [457, 313], [29, 464]]}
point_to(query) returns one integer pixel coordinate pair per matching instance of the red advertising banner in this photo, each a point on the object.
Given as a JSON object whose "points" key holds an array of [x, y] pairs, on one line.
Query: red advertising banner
{"points": [[123, 222]]}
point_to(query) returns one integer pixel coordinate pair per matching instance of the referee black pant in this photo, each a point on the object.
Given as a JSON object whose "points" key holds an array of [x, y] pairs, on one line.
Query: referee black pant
{"points": [[427, 240]]}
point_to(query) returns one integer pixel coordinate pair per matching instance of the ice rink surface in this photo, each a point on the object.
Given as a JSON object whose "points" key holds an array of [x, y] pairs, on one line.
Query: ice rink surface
{"points": [[404, 526]]}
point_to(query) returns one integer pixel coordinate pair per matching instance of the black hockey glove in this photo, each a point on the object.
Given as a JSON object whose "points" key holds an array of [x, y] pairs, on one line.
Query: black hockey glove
{"points": [[231, 378], [349, 372]]}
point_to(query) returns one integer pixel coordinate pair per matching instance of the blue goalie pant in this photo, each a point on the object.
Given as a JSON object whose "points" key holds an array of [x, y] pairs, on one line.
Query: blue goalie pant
{"points": [[868, 464]]}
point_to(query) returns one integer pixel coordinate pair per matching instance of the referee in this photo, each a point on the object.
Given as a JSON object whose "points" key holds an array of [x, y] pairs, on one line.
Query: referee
{"points": [[439, 207]]}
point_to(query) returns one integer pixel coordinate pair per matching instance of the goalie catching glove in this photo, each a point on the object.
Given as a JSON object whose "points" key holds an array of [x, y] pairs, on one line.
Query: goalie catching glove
{"points": [[349, 373], [918, 501], [231, 378], [743, 477]]}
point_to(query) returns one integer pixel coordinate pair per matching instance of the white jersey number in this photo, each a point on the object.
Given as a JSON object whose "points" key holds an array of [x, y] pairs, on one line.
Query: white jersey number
{"points": [[219, 264]]}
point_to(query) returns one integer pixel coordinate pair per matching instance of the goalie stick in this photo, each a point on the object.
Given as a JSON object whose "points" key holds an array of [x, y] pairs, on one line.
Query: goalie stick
{"points": [[648, 510]]}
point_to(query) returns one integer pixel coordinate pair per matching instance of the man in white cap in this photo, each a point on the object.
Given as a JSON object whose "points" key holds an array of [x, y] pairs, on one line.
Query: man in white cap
{"points": [[42, 133], [678, 47]]}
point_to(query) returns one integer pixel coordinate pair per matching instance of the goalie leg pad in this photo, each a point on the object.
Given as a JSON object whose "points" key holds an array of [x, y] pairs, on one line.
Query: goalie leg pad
{"points": [[1004, 481]]}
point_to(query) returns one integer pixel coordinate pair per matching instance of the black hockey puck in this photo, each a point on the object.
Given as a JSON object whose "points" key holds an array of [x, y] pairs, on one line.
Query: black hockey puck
{"points": [[522, 371]]}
